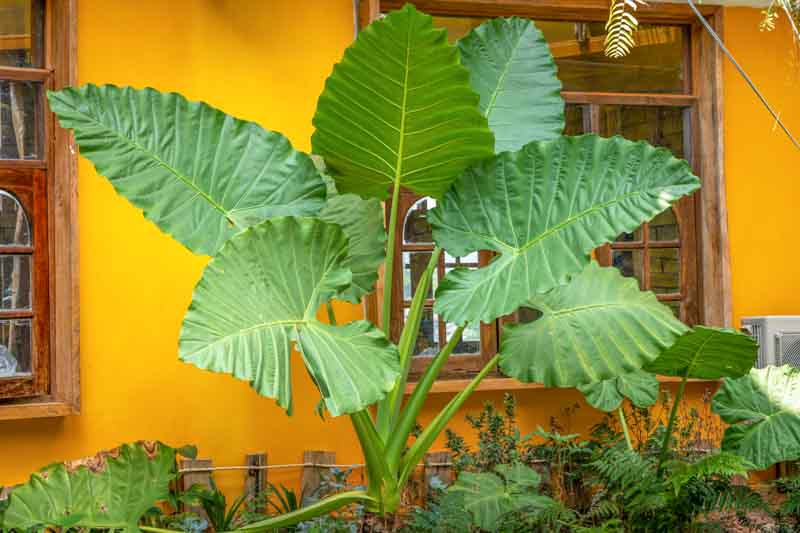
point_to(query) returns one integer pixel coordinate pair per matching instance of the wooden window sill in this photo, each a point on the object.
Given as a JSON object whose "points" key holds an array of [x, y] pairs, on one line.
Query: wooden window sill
{"points": [[44, 408], [509, 384]]}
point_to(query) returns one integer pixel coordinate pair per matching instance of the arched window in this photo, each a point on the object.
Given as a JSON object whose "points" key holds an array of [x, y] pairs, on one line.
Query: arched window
{"points": [[478, 342]]}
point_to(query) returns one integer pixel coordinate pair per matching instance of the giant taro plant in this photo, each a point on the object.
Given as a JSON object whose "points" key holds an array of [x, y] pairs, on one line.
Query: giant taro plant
{"points": [[478, 126]]}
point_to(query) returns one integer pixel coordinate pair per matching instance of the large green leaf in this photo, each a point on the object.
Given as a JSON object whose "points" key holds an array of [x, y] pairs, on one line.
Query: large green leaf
{"points": [[763, 410], [543, 210], [399, 108], [362, 222], [199, 174], [488, 497], [708, 353], [262, 292], [111, 490], [513, 71], [597, 327], [640, 387]]}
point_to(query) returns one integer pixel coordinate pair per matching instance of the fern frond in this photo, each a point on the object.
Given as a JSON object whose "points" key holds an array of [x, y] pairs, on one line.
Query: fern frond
{"points": [[723, 465], [620, 27]]}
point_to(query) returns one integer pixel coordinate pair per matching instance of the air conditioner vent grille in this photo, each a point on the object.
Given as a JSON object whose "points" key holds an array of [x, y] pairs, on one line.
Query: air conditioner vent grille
{"points": [[788, 348]]}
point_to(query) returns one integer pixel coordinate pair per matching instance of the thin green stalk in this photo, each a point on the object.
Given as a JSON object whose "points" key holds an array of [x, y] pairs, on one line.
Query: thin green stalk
{"points": [[389, 409], [673, 415], [624, 424], [331, 314], [437, 425], [401, 432], [374, 453], [389, 270], [314, 510]]}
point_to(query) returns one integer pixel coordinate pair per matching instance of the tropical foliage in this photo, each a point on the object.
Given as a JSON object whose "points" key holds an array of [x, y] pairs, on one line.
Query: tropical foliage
{"points": [[476, 125]]}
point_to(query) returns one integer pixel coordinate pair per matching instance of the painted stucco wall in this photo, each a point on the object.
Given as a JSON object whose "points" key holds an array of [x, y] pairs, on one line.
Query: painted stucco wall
{"points": [[267, 61]]}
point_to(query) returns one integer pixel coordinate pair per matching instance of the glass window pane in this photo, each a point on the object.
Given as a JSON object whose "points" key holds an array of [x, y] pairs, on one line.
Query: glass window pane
{"points": [[416, 229], [471, 260], [573, 120], [414, 264], [470, 343], [655, 65], [630, 263], [15, 230], [428, 338], [664, 227], [15, 281], [15, 347], [665, 268], [21, 23], [527, 314], [636, 236], [21, 120], [660, 126]]}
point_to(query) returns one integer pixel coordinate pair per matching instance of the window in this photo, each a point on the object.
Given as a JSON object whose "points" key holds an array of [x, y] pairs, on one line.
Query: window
{"points": [[38, 260], [666, 92]]}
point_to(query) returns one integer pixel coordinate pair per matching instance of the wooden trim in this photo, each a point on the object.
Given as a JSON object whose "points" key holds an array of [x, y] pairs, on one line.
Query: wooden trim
{"points": [[36, 409], [715, 295], [507, 384], [62, 204], [25, 74], [579, 10], [678, 100]]}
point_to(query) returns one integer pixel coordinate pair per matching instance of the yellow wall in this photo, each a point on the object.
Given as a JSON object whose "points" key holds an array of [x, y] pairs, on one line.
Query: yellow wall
{"points": [[267, 61]]}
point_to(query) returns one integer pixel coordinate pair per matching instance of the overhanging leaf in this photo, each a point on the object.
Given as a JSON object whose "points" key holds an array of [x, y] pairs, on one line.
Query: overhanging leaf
{"points": [[200, 175], [543, 209], [111, 490], [489, 497], [362, 222], [597, 327], [708, 353], [763, 410], [512, 70], [640, 387], [253, 302], [398, 109]]}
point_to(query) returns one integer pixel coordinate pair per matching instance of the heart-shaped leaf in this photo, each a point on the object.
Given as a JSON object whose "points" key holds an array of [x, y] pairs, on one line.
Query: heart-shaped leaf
{"points": [[200, 175], [708, 353], [597, 327], [640, 387], [262, 292], [512, 70], [763, 410], [543, 209], [399, 110], [111, 490]]}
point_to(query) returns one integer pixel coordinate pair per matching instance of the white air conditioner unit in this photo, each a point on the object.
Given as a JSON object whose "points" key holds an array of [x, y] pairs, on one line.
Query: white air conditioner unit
{"points": [[778, 339]]}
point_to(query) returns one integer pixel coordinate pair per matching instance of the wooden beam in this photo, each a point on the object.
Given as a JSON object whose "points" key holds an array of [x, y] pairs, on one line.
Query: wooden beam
{"points": [[577, 10]]}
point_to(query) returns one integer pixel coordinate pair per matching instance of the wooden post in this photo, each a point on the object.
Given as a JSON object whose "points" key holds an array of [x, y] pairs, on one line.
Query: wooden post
{"points": [[255, 481], [438, 464], [312, 475], [195, 478]]}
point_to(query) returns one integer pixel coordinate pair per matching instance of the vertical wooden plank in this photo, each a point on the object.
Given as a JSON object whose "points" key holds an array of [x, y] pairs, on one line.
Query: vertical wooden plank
{"points": [[313, 474], [438, 464], [255, 480], [190, 479], [63, 210], [712, 212]]}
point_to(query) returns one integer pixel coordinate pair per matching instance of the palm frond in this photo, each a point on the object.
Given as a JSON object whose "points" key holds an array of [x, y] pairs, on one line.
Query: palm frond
{"points": [[620, 27]]}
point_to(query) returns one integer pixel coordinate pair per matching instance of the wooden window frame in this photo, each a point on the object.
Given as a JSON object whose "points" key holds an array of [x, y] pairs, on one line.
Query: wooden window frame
{"points": [[58, 392], [713, 301]]}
